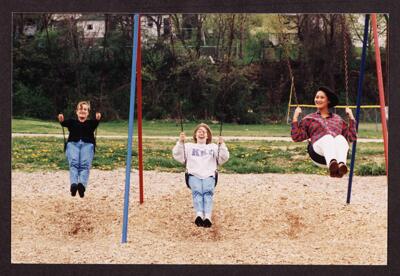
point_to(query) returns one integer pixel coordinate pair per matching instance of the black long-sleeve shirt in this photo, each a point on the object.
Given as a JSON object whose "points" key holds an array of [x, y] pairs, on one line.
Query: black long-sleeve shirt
{"points": [[81, 131]]}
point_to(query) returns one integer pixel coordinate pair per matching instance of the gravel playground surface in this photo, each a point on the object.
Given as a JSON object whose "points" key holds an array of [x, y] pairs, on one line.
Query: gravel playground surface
{"points": [[257, 219]]}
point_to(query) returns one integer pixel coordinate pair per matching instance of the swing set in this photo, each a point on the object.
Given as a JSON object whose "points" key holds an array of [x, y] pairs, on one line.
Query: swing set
{"points": [[136, 85], [315, 157]]}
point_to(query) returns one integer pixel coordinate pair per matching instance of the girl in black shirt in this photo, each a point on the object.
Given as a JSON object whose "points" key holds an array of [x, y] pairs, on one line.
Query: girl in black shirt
{"points": [[80, 146]]}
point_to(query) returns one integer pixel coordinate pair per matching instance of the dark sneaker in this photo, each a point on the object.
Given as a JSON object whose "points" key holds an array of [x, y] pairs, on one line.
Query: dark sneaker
{"points": [[207, 223], [334, 168], [199, 221], [342, 169], [81, 190], [73, 189]]}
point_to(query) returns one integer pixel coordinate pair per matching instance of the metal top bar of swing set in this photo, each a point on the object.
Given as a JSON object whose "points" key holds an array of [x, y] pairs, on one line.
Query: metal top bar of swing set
{"points": [[338, 106]]}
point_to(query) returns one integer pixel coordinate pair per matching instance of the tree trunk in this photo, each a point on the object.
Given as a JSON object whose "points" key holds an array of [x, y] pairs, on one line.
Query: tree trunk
{"points": [[172, 36], [221, 36], [231, 38], [241, 41], [180, 35], [218, 37], [198, 35], [77, 58]]}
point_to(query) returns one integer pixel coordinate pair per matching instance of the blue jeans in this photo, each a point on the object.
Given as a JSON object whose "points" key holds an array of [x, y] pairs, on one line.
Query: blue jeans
{"points": [[80, 156], [202, 193]]}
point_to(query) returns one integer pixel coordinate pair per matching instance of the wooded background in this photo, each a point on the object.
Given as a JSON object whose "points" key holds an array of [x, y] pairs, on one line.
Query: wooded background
{"points": [[229, 66]]}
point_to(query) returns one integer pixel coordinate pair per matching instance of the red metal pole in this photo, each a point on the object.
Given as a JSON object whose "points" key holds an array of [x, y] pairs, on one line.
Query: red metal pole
{"points": [[139, 112], [380, 85]]}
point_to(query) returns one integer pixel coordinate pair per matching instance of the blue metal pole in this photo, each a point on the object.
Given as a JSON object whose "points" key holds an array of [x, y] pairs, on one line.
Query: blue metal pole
{"points": [[130, 128], [359, 94]]}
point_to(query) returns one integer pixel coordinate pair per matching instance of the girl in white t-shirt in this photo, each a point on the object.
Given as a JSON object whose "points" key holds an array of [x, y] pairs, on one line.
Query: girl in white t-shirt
{"points": [[201, 164]]}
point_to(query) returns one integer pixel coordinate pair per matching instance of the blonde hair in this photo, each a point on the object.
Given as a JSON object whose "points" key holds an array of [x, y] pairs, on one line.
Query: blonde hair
{"points": [[79, 105], [209, 134]]}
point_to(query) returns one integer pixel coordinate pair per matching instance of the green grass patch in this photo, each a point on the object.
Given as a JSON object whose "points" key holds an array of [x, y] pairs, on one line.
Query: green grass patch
{"points": [[46, 153], [172, 128], [371, 169], [35, 126]]}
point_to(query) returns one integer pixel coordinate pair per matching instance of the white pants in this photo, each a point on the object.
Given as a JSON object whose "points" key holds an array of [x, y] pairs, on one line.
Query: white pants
{"points": [[332, 148]]}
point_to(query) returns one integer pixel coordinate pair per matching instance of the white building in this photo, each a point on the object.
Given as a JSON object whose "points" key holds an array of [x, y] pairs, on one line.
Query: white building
{"points": [[92, 25], [149, 27], [30, 30], [92, 28]]}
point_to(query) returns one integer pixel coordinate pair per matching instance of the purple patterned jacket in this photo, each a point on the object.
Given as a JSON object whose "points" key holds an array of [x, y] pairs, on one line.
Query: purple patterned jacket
{"points": [[314, 126]]}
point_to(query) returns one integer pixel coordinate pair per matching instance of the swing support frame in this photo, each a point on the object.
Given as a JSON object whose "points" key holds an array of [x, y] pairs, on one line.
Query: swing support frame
{"points": [[136, 75]]}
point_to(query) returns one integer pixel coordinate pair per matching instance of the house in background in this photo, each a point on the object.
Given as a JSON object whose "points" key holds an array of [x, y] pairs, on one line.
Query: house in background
{"points": [[155, 26], [93, 26], [29, 29], [160, 25]]}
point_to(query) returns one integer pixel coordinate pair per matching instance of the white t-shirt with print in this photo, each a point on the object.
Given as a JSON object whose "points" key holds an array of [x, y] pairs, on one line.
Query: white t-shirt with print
{"points": [[201, 158]]}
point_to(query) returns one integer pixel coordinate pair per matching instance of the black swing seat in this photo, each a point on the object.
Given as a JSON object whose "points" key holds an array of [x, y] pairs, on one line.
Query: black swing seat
{"points": [[315, 156], [188, 174]]}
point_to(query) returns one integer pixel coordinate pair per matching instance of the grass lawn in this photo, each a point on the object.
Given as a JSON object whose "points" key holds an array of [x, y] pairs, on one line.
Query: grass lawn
{"points": [[171, 128], [46, 153]]}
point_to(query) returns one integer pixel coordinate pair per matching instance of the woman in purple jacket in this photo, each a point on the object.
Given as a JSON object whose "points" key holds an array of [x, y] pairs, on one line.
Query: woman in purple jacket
{"points": [[328, 132]]}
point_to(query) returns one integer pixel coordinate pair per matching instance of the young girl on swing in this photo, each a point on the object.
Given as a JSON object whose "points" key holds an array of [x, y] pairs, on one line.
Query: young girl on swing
{"points": [[200, 158], [80, 146], [328, 132]]}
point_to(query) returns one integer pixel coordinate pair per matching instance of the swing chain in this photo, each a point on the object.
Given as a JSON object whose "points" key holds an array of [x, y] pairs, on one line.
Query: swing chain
{"points": [[346, 74], [181, 120], [65, 140], [219, 145]]}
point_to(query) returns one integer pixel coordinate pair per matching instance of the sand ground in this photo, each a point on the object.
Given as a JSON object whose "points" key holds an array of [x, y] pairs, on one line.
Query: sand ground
{"points": [[257, 219]]}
